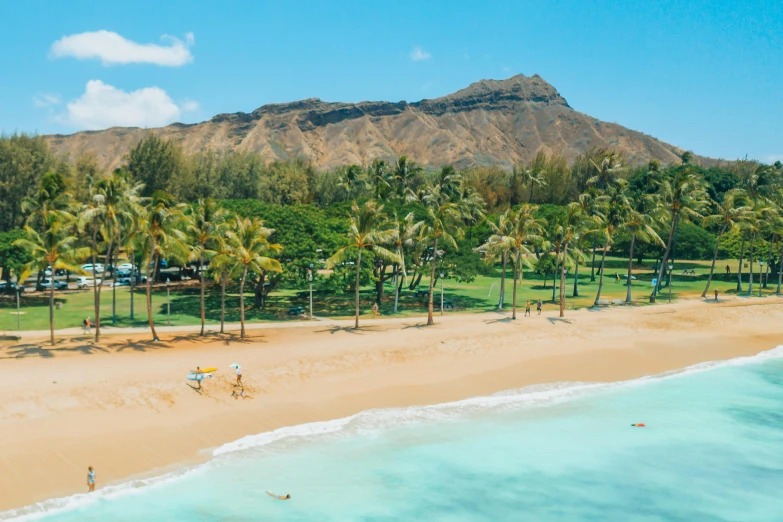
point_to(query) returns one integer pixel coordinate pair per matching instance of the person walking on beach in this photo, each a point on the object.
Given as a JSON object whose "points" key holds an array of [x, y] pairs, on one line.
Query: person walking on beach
{"points": [[539, 305], [90, 479], [375, 312], [716, 295], [239, 375], [199, 376], [527, 308]]}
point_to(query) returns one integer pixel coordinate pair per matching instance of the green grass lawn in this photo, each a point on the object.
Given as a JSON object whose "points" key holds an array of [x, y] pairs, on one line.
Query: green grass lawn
{"points": [[482, 294]]}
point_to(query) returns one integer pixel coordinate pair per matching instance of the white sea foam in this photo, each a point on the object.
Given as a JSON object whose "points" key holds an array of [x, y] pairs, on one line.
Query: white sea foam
{"points": [[374, 421]]}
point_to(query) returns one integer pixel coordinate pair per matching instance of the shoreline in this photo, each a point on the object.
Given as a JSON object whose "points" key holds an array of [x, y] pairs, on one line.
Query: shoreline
{"points": [[125, 408]]}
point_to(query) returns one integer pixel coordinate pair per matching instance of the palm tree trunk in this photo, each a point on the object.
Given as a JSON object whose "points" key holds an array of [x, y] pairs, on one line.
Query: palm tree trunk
{"points": [[242, 304], [150, 320], [592, 265], [628, 297], [712, 267], [576, 278], [741, 259], [769, 263], [222, 301], [358, 270], [51, 308], [601, 277], [562, 280], [502, 284], [750, 268], [780, 272], [554, 276], [201, 277], [396, 286], [430, 321], [95, 293], [665, 257], [514, 291], [134, 270]]}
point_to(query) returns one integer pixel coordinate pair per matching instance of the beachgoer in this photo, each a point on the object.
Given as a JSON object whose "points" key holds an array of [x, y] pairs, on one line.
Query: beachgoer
{"points": [[84, 326], [90, 479], [240, 394], [539, 305], [716, 295], [728, 270], [527, 308], [375, 312], [239, 375], [199, 376], [88, 325], [279, 497]]}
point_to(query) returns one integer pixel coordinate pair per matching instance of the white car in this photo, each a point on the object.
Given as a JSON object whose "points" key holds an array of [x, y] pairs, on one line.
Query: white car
{"points": [[126, 266], [87, 282], [89, 268]]}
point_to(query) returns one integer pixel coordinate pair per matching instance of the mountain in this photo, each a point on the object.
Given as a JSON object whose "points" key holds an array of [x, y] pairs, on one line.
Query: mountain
{"points": [[490, 122]]}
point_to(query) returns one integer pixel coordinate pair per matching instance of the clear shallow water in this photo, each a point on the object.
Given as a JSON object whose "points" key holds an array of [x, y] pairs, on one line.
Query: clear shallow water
{"points": [[712, 451]]}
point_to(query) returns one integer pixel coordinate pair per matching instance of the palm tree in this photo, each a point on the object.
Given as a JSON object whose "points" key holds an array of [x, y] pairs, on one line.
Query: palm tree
{"points": [[379, 177], [54, 247], [351, 180], [607, 171], [221, 263], [369, 230], [404, 236], [726, 217], [533, 176], [159, 230], [639, 223], [682, 198], [525, 230], [589, 202], [616, 206], [404, 172], [441, 225], [575, 224], [251, 250], [498, 247], [203, 230]]}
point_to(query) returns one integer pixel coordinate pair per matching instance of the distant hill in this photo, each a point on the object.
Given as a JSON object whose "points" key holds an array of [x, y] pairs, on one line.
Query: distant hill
{"points": [[490, 122]]}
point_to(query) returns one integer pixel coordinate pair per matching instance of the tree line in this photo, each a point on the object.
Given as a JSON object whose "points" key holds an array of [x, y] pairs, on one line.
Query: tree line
{"points": [[411, 223]]}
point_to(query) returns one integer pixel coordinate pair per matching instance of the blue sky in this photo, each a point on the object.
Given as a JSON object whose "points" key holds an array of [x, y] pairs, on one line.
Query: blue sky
{"points": [[703, 75]]}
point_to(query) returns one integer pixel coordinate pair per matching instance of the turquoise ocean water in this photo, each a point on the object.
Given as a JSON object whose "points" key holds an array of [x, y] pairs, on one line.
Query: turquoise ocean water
{"points": [[712, 451]]}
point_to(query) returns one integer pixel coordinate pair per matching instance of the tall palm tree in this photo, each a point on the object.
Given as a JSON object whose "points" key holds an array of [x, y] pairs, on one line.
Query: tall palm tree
{"points": [[203, 230], [54, 247], [589, 202], [404, 236], [441, 226], [726, 217], [404, 172], [607, 171], [639, 224], [498, 246], [757, 186], [159, 226], [379, 178], [683, 197], [221, 263], [616, 206], [371, 230], [251, 249], [525, 230], [575, 224], [351, 180]]}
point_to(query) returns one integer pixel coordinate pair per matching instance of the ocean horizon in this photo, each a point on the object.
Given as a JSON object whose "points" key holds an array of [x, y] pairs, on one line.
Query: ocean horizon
{"points": [[710, 450]]}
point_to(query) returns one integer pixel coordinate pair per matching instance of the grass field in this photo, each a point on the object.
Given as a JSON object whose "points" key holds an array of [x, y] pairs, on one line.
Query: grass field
{"points": [[479, 295]]}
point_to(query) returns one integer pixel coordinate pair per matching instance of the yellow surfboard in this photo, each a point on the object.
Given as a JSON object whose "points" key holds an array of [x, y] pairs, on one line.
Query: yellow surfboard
{"points": [[206, 370]]}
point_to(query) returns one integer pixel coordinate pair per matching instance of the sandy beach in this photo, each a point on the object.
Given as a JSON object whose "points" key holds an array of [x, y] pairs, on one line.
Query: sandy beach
{"points": [[124, 406]]}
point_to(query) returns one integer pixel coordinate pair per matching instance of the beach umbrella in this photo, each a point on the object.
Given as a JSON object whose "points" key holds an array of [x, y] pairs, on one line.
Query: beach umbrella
{"points": [[236, 366]]}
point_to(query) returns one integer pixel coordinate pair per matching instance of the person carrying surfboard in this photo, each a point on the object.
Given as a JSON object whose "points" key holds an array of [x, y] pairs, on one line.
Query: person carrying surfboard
{"points": [[199, 376]]}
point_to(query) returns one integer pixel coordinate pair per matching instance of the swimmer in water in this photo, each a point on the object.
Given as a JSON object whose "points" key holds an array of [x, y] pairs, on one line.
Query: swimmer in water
{"points": [[279, 497]]}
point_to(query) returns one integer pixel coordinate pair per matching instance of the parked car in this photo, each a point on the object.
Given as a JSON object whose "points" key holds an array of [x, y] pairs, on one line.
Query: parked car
{"points": [[98, 269], [5, 285], [125, 266], [47, 283], [87, 282], [121, 282], [126, 277]]}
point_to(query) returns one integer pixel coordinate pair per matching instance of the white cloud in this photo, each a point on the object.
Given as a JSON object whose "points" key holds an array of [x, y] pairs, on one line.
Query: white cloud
{"points": [[46, 99], [112, 49], [102, 106], [418, 54]]}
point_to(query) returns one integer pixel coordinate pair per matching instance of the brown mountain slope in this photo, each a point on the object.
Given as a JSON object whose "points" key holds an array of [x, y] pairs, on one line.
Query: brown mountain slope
{"points": [[489, 122]]}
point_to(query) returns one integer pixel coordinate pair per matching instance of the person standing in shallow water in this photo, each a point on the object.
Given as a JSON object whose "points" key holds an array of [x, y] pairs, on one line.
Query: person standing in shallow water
{"points": [[90, 479]]}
